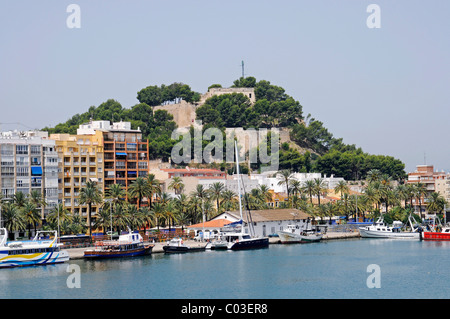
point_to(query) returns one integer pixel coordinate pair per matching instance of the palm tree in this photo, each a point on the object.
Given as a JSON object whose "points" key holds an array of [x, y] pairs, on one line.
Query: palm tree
{"points": [[116, 194], [436, 202], [216, 190], [177, 185], [285, 176], [121, 218], [19, 199], [195, 208], [154, 187], [147, 217], [342, 187], [419, 192], [134, 217], [373, 175], [309, 187], [266, 195], [229, 200], [402, 193], [103, 220], [158, 211], [319, 187], [295, 187], [139, 189], [58, 215], [31, 216], [201, 193], [36, 198], [12, 218], [90, 194]]}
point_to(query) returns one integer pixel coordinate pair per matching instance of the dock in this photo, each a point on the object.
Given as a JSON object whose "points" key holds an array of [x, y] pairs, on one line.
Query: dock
{"points": [[78, 253]]}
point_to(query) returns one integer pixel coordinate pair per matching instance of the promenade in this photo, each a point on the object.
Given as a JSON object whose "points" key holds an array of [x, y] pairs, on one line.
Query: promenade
{"points": [[78, 253]]}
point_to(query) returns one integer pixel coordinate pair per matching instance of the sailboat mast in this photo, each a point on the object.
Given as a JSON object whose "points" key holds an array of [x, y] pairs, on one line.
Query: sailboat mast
{"points": [[239, 184]]}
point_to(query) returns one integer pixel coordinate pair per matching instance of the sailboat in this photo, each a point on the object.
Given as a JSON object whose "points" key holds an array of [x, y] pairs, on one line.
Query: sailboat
{"points": [[241, 240]]}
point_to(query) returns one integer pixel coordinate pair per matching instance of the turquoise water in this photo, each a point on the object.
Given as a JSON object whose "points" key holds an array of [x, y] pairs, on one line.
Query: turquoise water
{"points": [[333, 269]]}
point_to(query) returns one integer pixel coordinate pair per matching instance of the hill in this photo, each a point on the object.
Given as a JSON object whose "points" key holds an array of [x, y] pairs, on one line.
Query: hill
{"points": [[312, 146]]}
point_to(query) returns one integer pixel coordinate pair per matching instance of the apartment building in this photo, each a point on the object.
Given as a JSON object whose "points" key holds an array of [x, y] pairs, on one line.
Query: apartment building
{"points": [[80, 161], [434, 181], [29, 162], [125, 152]]}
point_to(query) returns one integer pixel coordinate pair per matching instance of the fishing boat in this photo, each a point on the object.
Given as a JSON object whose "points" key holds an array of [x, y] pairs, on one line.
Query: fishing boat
{"points": [[128, 245], [44, 249], [381, 230], [241, 240], [297, 234], [433, 230], [177, 245], [441, 234]]}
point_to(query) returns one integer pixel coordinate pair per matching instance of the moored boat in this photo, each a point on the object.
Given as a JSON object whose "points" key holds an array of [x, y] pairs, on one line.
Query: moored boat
{"points": [[296, 234], [217, 244], [44, 249], [381, 230], [177, 245], [441, 234], [241, 240], [128, 245]]}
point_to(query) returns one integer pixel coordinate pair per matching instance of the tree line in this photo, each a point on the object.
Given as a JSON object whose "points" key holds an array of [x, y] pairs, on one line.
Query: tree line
{"points": [[313, 147]]}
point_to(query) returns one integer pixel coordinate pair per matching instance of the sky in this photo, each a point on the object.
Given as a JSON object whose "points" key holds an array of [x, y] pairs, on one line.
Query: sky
{"points": [[386, 89]]}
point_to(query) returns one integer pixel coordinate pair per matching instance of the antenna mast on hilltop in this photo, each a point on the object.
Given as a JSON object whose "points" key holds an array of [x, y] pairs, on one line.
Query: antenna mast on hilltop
{"points": [[243, 69]]}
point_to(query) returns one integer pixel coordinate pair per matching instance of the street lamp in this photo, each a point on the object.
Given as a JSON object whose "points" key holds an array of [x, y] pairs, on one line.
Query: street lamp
{"points": [[109, 200]]}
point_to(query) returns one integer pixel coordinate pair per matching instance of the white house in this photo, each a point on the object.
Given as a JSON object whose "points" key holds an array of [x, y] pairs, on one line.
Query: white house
{"points": [[268, 221]]}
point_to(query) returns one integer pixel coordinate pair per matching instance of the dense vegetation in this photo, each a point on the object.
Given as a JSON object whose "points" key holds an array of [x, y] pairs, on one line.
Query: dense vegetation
{"points": [[313, 147]]}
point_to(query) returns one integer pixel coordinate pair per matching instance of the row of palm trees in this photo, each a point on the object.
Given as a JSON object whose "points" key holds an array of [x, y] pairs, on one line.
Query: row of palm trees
{"points": [[378, 196], [145, 205]]}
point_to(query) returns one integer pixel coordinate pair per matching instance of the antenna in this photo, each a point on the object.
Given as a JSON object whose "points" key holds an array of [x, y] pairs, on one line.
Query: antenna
{"points": [[243, 74]]}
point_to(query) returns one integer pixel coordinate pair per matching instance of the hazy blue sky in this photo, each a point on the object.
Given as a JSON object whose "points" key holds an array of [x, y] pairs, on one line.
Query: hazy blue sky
{"points": [[385, 90]]}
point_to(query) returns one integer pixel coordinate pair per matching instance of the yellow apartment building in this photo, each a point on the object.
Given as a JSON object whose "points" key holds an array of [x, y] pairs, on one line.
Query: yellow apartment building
{"points": [[81, 159]]}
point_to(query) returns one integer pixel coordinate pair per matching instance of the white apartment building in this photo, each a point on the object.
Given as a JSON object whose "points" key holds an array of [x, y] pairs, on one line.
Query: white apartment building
{"points": [[29, 161]]}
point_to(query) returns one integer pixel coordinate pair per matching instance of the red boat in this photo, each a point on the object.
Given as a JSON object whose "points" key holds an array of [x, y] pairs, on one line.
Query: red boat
{"points": [[443, 234]]}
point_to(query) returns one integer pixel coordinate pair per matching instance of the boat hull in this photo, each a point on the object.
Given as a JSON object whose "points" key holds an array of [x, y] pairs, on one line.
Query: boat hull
{"points": [[292, 238], [367, 233], [37, 259], [253, 243], [182, 249], [99, 254], [437, 236]]}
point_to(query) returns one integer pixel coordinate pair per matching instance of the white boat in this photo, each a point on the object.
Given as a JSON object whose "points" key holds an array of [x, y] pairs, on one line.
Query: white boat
{"points": [[381, 230], [296, 234], [240, 240], [42, 250], [218, 243], [177, 245]]}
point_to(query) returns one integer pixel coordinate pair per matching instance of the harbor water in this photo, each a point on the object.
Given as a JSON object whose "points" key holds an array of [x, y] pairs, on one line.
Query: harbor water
{"points": [[344, 269]]}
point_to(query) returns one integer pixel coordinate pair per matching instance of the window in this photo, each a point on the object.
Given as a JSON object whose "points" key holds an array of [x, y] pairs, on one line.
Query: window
{"points": [[22, 149]]}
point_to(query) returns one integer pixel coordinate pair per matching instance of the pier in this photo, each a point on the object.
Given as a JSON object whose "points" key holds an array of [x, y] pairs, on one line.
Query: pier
{"points": [[78, 253]]}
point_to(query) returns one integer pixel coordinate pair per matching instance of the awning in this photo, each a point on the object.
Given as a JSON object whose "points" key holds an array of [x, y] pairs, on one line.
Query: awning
{"points": [[132, 172], [121, 154], [36, 170]]}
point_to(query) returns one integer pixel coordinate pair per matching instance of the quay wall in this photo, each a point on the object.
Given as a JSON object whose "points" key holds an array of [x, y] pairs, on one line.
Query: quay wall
{"points": [[78, 253]]}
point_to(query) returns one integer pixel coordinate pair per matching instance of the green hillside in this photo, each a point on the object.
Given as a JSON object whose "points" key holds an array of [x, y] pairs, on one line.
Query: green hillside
{"points": [[314, 148]]}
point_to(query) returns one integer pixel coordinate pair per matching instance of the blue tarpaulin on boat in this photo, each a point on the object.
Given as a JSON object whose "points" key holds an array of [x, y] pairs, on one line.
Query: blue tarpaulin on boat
{"points": [[36, 170], [235, 223]]}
